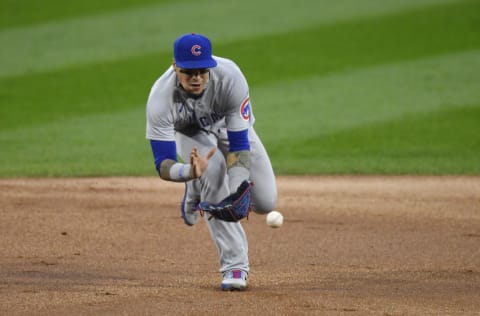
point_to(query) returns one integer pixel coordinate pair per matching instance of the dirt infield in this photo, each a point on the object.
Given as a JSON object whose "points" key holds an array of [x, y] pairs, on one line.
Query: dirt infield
{"points": [[363, 245]]}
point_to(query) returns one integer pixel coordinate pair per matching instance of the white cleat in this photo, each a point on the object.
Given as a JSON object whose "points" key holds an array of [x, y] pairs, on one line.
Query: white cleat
{"points": [[234, 280]]}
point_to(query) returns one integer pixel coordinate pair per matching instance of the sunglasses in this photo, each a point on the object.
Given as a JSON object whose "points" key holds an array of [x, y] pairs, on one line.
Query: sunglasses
{"points": [[194, 72]]}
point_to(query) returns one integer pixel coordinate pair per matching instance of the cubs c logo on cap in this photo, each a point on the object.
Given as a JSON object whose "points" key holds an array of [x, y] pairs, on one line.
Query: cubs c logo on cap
{"points": [[196, 50], [245, 109]]}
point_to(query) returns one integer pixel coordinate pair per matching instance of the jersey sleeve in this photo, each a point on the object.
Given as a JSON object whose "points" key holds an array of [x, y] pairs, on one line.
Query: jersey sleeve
{"points": [[160, 120], [162, 150], [238, 141], [238, 109]]}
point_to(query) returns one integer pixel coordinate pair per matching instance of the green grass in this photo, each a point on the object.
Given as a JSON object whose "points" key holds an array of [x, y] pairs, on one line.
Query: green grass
{"points": [[390, 87], [24, 12], [359, 43], [151, 28], [443, 142], [100, 144]]}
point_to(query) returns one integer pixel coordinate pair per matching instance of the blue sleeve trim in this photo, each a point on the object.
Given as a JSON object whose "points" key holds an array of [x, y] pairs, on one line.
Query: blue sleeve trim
{"points": [[163, 150], [238, 140]]}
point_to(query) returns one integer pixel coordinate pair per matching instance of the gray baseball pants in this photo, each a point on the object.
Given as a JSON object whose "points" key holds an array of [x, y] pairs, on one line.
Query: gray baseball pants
{"points": [[229, 237]]}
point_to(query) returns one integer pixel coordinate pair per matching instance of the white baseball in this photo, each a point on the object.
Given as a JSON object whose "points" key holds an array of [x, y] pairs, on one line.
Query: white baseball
{"points": [[274, 219]]}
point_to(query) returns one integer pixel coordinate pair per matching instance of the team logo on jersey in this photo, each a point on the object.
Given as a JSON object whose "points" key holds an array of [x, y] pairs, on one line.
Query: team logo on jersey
{"points": [[196, 50], [245, 109]]}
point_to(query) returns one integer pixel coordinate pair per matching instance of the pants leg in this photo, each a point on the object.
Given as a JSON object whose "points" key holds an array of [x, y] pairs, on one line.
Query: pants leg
{"points": [[264, 191], [229, 237]]}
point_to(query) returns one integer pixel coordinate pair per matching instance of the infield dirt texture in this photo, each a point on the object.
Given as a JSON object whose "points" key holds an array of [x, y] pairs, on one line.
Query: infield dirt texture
{"points": [[361, 245], [379, 94]]}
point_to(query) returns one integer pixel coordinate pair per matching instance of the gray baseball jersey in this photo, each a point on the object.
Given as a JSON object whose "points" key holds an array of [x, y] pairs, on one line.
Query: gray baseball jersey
{"points": [[224, 103]]}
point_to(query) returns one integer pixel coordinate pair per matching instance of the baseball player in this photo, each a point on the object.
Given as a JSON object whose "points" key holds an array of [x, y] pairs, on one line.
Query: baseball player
{"points": [[200, 110]]}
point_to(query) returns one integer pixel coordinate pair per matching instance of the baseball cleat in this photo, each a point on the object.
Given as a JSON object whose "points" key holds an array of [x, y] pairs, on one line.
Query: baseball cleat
{"points": [[234, 280], [189, 203]]}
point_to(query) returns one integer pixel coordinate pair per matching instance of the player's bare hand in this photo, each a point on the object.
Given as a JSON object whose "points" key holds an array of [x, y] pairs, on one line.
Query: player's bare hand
{"points": [[198, 162]]}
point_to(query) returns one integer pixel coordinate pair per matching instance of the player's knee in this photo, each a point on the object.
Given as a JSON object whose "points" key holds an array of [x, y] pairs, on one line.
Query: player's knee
{"points": [[217, 169], [265, 203]]}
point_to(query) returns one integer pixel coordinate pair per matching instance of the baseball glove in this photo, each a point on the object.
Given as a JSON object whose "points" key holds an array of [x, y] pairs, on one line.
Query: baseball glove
{"points": [[231, 209]]}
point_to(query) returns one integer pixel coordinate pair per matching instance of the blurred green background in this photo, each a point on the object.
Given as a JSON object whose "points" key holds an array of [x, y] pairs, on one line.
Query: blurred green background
{"points": [[337, 87]]}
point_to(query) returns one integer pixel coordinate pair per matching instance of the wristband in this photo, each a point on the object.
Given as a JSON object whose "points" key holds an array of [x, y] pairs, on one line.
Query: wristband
{"points": [[180, 172]]}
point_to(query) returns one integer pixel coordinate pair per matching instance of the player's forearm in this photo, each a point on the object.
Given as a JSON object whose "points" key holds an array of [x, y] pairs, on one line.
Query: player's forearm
{"points": [[171, 170], [238, 168]]}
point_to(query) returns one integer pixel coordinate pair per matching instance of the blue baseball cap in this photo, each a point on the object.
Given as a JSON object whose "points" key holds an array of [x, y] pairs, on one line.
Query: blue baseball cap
{"points": [[193, 51]]}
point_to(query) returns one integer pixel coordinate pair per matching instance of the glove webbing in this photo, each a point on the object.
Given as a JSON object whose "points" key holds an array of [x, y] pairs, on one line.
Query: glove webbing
{"points": [[218, 210], [228, 208]]}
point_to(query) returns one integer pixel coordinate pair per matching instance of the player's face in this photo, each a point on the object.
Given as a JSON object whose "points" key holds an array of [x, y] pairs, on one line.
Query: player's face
{"points": [[194, 81]]}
